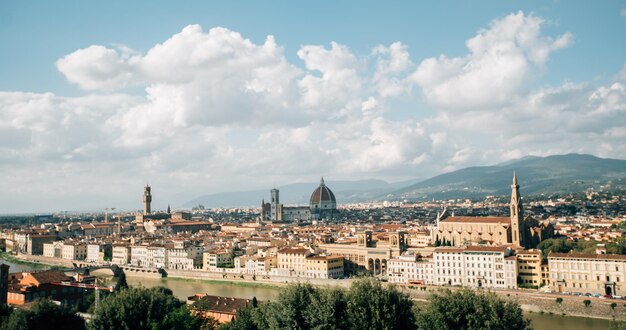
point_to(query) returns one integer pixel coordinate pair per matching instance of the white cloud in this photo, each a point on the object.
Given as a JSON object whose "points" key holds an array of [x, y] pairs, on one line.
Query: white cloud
{"points": [[499, 63], [98, 67], [220, 113], [623, 12]]}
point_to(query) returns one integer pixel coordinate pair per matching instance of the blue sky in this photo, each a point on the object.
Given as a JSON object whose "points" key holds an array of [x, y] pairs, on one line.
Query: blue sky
{"points": [[98, 98]]}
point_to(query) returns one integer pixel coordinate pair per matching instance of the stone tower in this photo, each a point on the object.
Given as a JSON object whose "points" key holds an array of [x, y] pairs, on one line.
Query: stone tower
{"points": [[147, 199], [517, 215], [274, 205]]}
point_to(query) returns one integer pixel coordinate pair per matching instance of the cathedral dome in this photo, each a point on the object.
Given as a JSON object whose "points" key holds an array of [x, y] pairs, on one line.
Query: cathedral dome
{"points": [[322, 197]]}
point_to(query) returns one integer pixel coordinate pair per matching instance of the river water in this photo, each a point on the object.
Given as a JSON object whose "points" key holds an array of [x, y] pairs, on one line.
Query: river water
{"points": [[185, 288]]}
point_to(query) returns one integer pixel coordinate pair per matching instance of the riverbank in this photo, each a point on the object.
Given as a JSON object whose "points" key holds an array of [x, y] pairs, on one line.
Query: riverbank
{"points": [[540, 303], [34, 264]]}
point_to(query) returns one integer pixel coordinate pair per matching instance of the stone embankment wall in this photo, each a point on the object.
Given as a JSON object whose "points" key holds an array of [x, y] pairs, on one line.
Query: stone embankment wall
{"points": [[226, 276], [546, 303]]}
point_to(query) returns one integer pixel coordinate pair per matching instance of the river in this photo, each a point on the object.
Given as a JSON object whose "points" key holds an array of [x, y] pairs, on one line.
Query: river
{"points": [[185, 288]]}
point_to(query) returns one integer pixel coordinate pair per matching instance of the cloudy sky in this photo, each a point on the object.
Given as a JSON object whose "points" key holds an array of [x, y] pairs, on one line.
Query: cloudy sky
{"points": [[98, 99]]}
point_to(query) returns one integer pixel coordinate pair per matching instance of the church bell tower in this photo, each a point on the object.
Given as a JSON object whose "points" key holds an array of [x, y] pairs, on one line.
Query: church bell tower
{"points": [[517, 214]]}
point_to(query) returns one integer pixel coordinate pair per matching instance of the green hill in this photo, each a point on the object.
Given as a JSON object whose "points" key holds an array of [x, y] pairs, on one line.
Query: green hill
{"points": [[536, 175]]}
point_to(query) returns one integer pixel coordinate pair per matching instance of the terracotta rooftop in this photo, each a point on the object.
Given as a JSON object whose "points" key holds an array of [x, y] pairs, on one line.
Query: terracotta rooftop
{"points": [[587, 256], [505, 220], [50, 276], [219, 304]]}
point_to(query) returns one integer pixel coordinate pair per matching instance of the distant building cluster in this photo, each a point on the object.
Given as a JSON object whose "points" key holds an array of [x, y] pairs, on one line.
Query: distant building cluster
{"points": [[322, 205], [475, 249]]}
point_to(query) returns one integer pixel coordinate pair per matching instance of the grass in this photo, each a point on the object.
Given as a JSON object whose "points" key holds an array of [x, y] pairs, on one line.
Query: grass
{"points": [[36, 265], [217, 281]]}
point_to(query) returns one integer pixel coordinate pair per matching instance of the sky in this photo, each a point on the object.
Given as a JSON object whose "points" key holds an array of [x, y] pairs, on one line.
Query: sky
{"points": [[98, 99]]}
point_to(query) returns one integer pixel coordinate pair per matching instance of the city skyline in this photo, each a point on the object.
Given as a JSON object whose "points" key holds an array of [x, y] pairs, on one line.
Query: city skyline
{"points": [[99, 99]]}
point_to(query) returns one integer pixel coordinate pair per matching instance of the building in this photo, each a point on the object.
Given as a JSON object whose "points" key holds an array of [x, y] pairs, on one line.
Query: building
{"points": [[368, 255], [324, 266], [121, 254], [27, 287], [322, 204], [222, 309], [74, 250], [410, 269], [513, 230], [292, 262], [96, 251], [34, 243], [156, 256], [588, 273], [139, 255], [184, 256], [218, 258], [529, 268], [147, 200], [475, 266], [53, 249]]}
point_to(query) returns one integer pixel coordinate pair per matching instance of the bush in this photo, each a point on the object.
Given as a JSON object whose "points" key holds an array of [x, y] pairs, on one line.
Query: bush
{"points": [[587, 302], [559, 300]]}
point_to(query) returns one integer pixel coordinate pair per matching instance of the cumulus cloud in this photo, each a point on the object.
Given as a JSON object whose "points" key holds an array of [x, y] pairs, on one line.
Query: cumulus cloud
{"points": [[98, 68], [499, 63], [220, 112]]}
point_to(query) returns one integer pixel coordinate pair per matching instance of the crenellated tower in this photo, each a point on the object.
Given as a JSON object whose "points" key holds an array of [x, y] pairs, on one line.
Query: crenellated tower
{"points": [[147, 199]]}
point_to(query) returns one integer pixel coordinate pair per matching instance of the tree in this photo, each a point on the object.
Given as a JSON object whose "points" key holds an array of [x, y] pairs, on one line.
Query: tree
{"points": [[108, 252], [559, 300], [121, 280], [371, 306], [289, 311], [587, 302], [44, 314], [137, 308], [464, 309]]}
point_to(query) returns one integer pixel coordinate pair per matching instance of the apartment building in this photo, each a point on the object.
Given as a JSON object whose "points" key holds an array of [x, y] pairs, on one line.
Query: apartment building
{"points": [[324, 266], [529, 268], [410, 269], [588, 273], [121, 254], [475, 266]]}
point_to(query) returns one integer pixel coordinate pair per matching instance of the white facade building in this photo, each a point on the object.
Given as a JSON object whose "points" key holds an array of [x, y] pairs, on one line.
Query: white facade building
{"points": [[410, 269], [475, 266]]}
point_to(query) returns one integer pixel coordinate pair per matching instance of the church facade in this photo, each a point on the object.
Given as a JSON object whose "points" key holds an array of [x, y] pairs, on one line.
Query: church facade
{"points": [[514, 230]]}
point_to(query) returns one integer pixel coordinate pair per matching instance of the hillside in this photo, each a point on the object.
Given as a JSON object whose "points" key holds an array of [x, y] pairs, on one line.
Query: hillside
{"points": [[536, 175]]}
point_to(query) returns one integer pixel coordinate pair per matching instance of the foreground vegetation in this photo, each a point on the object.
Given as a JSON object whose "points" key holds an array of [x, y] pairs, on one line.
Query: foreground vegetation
{"points": [[366, 305], [369, 305]]}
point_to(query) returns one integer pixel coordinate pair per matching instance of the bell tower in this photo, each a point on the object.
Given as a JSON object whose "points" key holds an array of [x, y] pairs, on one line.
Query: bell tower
{"points": [[147, 199], [517, 214]]}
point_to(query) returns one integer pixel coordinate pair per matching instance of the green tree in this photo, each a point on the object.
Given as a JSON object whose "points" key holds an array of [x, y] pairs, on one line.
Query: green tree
{"points": [[327, 310], [371, 306], [121, 280], [44, 314], [137, 308], [464, 309], [587, 302], [181, 319], [289, 310], [559, 300]]}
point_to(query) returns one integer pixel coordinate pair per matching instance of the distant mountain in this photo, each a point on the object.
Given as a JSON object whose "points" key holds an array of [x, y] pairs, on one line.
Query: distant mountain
{"points": [[536, 175], [299, 193]]}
